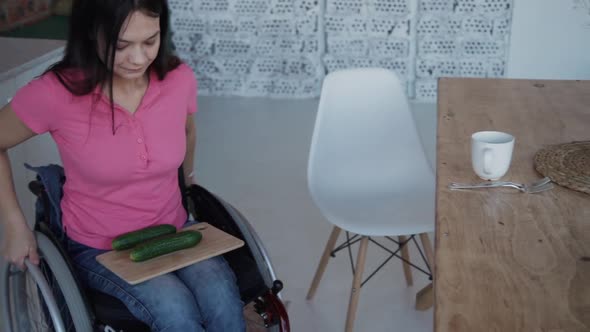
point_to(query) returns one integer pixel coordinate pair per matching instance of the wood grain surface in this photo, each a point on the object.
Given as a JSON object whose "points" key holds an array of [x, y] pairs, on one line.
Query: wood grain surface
{"points": [[505, 260], [215, 242]]}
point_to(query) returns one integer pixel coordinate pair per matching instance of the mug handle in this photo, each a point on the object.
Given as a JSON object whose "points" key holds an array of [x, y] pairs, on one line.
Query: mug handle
{"points": [[487, 161]]}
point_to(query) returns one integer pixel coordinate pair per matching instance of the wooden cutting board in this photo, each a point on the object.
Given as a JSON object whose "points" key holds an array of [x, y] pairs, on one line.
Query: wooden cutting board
{"points": [[215, 242]]}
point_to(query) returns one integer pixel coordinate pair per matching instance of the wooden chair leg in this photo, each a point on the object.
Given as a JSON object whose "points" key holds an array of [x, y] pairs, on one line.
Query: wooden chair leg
{"points": [[323, 262], [406, 256], [356, 283], [425, 297]]}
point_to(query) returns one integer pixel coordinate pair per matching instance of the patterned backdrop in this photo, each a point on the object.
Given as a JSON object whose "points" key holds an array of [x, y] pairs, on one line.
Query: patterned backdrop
{"points": [[283, 48]]}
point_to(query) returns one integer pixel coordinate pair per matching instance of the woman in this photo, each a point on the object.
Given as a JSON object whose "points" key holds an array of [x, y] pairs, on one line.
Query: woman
{"points": [[119, 107]]}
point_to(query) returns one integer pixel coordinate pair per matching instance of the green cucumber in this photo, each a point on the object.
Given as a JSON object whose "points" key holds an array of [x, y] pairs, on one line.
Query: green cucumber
{"points": [[165, 244], [131, 239]]}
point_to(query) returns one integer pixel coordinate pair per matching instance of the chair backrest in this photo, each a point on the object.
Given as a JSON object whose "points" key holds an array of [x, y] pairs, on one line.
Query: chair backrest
{"points": [[365, 137]]}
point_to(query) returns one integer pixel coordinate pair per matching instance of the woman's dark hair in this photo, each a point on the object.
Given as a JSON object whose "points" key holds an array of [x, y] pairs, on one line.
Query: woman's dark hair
{"points": [[81, 70]]}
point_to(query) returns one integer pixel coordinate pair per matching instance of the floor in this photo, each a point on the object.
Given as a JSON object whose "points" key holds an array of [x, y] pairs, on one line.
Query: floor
{"points": [[253, 153]]}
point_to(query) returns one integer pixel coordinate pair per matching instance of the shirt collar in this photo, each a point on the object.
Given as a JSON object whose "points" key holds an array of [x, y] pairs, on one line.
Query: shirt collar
{"points": [[152, 92]]}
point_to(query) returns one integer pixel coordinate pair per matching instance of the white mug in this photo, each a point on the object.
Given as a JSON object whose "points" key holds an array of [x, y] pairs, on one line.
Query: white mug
{"points": [[491, 153]]}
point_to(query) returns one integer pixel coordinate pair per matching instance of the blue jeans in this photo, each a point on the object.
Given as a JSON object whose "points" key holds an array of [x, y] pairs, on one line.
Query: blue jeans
{"points": [[200, 297]]}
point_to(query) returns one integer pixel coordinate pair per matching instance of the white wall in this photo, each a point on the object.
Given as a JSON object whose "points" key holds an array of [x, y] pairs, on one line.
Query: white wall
{"points": [[550, 40]]}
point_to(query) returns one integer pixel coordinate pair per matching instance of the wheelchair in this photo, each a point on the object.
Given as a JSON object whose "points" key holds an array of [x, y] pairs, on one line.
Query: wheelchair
{"points": [[49, 297]]}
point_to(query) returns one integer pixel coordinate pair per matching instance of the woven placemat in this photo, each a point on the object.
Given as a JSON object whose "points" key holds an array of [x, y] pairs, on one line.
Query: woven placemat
{"points": [[566, 164]]}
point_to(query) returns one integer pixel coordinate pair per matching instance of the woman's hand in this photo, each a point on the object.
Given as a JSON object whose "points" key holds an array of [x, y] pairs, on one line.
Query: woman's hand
{"points": [[18, 243]]}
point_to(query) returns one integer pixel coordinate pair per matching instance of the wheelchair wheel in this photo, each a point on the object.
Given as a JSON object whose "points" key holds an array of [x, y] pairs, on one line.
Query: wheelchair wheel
{"points": [[26, 308]]}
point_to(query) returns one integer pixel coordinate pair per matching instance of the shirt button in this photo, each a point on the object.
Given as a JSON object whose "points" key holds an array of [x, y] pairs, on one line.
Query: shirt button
{"points": [[139, 140], [143, 157]]}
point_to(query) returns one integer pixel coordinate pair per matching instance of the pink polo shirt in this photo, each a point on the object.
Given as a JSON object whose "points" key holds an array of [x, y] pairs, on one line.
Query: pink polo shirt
{"points": [[115, 183]]}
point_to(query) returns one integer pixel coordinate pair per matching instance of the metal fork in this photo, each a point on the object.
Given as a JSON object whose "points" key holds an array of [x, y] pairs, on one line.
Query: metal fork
{"points": [[531, 188]]}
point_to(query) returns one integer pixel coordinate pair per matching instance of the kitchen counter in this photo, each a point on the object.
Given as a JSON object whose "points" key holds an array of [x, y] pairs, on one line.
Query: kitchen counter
{"points": [[21, 54]]}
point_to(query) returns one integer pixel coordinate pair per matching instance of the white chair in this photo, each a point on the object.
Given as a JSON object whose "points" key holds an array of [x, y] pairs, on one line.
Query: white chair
{"points": [[367, 171]]}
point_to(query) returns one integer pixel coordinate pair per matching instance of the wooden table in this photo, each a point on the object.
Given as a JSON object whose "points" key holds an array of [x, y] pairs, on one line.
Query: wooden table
{"points": [[508, 261]]}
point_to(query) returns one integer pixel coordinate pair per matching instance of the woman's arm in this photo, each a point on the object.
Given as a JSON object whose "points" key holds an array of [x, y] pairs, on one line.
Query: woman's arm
{"points": [[17, 240], [191, 142]]}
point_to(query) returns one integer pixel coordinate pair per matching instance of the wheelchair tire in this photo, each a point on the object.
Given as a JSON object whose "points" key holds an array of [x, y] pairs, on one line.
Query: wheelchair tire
{"points": [[24, 305]]}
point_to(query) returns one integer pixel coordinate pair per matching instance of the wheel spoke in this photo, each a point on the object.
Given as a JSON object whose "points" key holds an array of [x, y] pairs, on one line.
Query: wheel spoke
{"points": [[27, 308]]}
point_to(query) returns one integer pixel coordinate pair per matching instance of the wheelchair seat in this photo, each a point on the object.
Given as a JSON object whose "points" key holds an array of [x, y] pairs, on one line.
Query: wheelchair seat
{"points": [[110, 309]]}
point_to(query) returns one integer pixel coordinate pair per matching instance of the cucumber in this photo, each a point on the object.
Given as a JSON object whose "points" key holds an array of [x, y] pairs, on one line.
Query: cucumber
{"points": [[131, 239], [165, 244]]}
